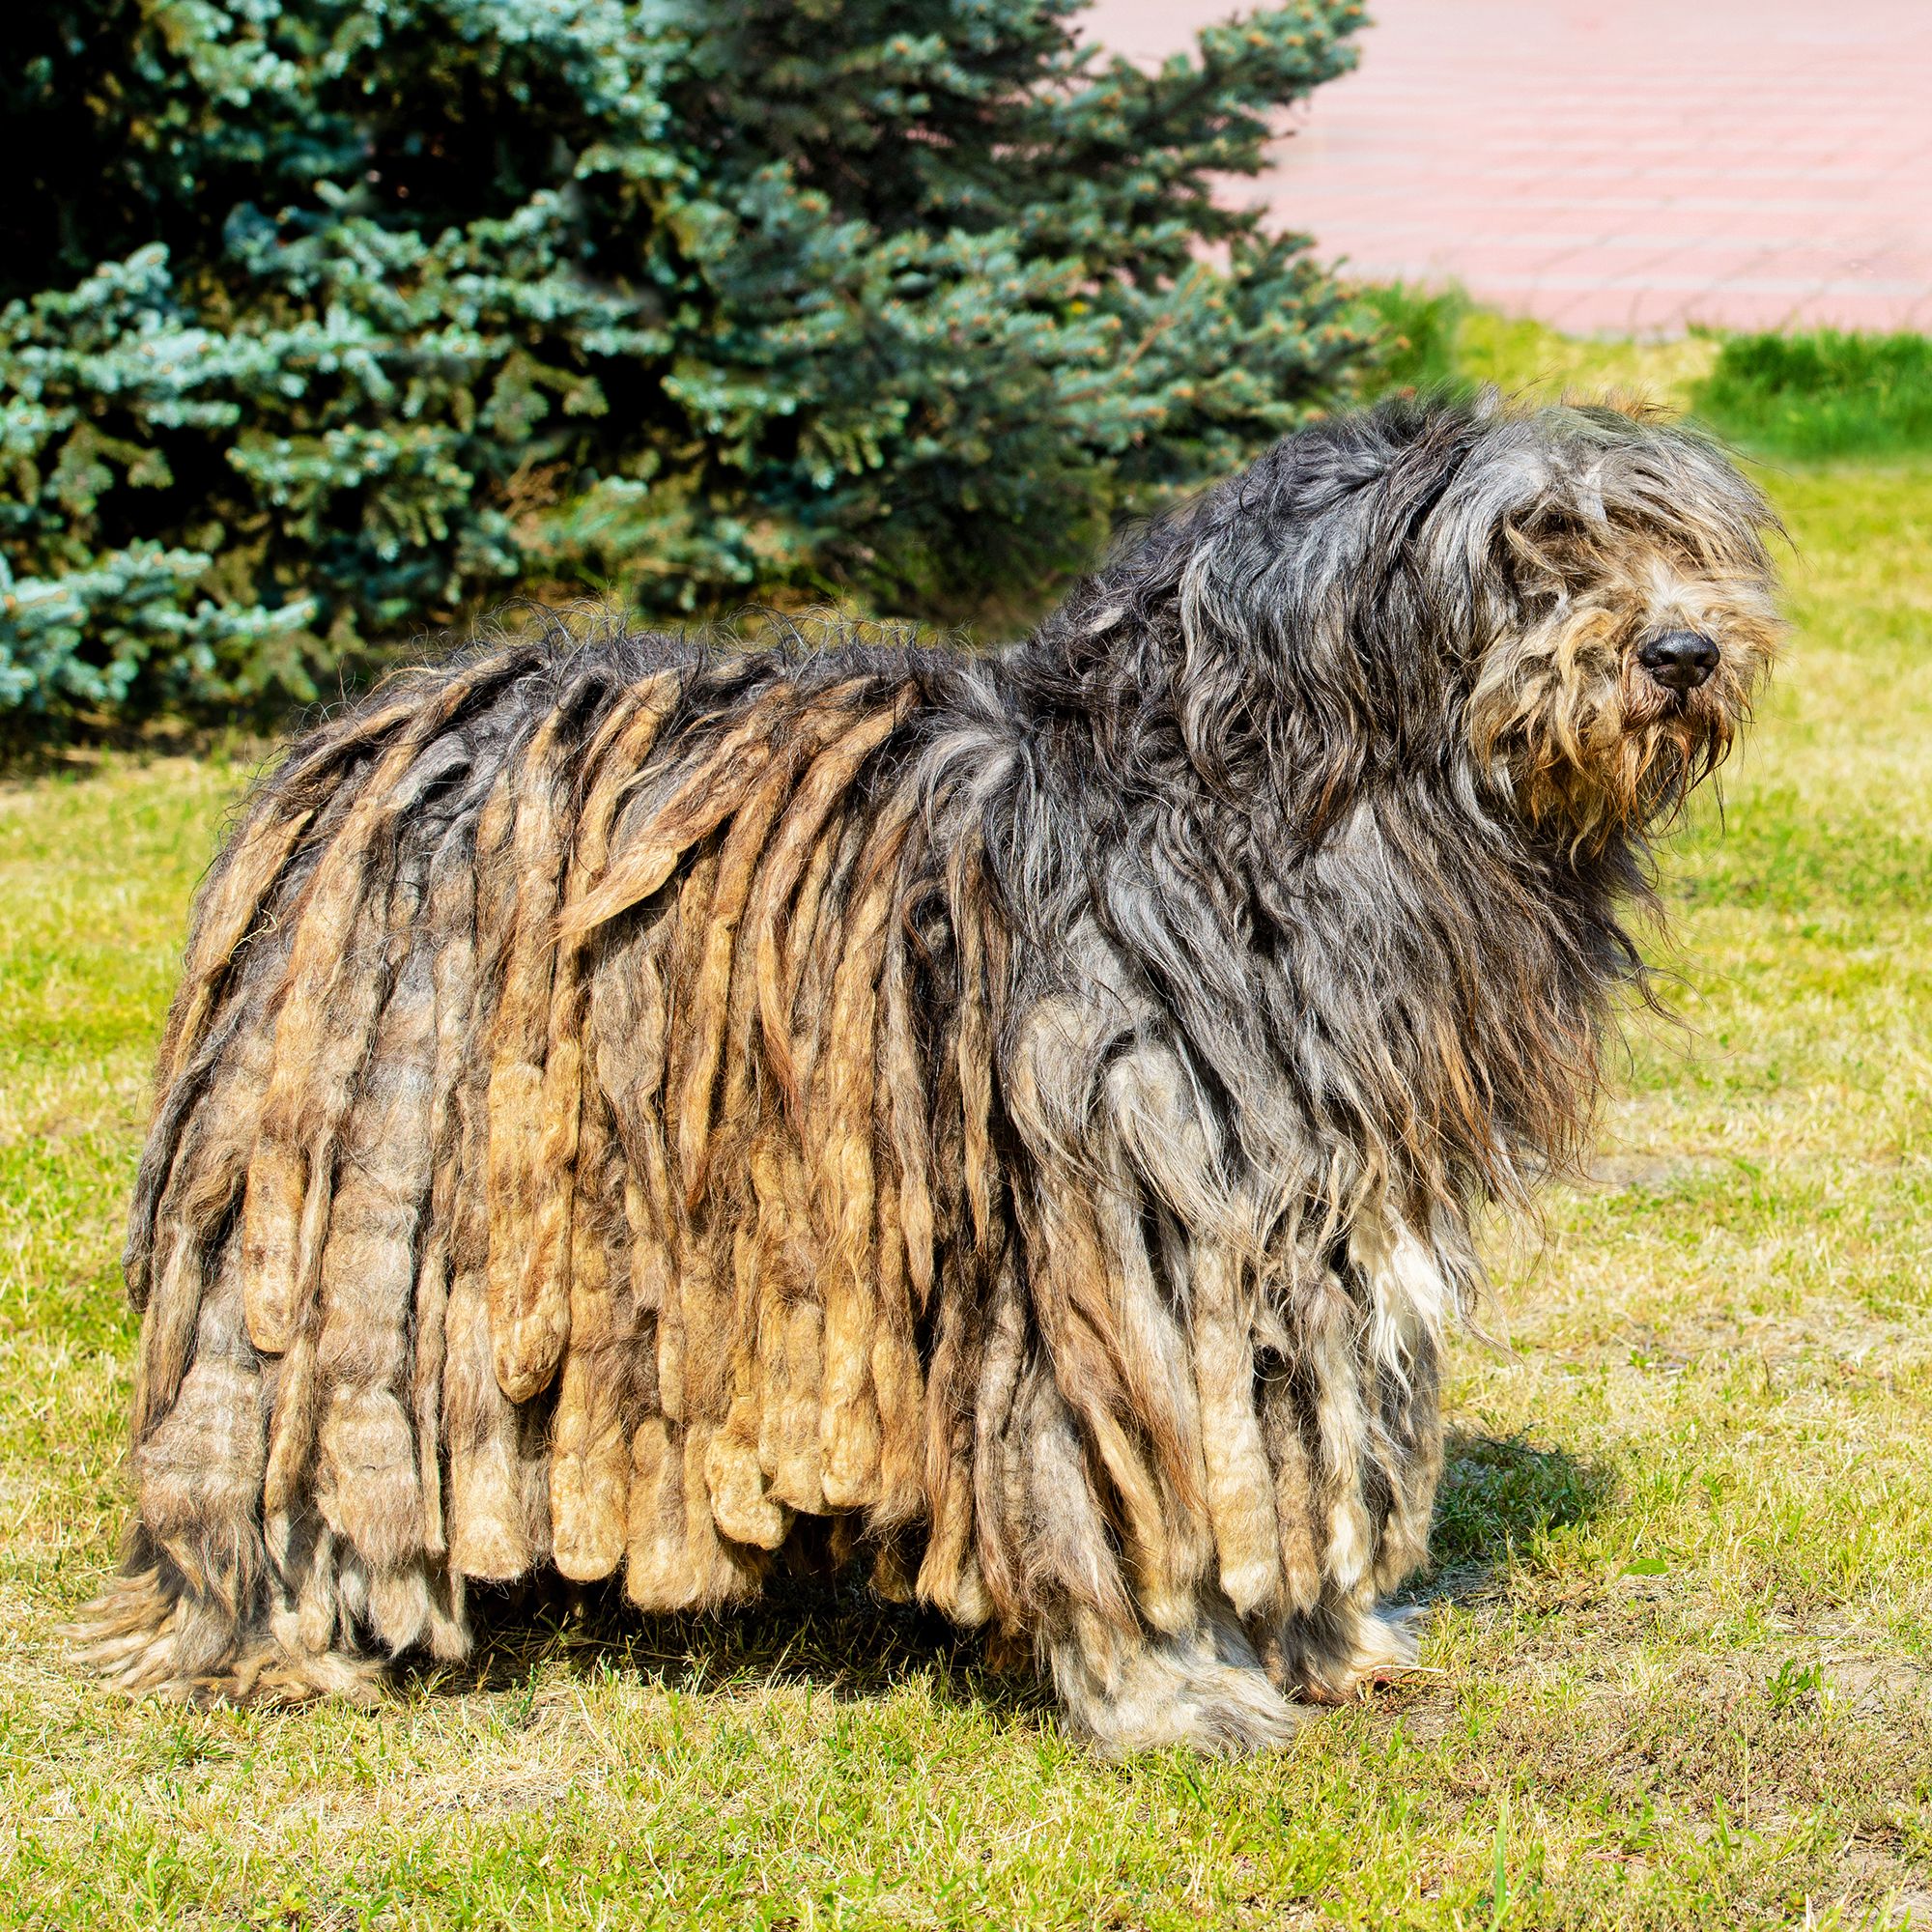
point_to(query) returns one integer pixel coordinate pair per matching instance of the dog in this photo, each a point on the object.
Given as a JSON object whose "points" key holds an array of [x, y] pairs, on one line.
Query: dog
{"points": [[673, 1110]]}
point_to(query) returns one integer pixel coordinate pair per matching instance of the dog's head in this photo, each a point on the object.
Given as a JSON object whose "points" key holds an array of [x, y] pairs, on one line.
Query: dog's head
{"points": [[1571, 608], [1630, 615]]}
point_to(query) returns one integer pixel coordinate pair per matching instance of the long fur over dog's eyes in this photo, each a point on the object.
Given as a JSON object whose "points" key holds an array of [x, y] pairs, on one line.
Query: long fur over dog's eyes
{"points": [[662, 1110]]}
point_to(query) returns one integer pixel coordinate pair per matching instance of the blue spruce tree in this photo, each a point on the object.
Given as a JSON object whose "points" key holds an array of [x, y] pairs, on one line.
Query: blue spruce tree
{"points": [[328, 319]]}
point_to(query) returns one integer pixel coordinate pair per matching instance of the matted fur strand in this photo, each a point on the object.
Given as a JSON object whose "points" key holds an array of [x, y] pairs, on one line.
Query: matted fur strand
{"points": [[629, 1097]]}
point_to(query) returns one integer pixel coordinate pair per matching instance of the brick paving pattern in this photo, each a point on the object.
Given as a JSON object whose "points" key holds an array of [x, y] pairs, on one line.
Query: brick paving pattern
{"points": [[1627, 165]]}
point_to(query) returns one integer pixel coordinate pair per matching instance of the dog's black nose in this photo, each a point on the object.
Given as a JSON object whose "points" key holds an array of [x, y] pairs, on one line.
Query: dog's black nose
{"points": [[1679, 660]]}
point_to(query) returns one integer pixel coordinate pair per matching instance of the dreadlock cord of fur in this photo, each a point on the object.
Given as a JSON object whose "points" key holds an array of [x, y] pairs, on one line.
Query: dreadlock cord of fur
{"points": [[798, 847], [590, 1442], [974, 1047], [581, 1246], [451, 909], [209, 1171], [529, 1296], [368, 1484], [738, 870], [678, 1559], [497, 1510], [1016, 1121], [842, 1126], [904, 1239], [331, 988]]}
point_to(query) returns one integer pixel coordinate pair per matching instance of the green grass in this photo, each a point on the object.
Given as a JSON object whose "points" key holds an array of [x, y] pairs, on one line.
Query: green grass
{"points": [[1822, 394], [1420, 331], [1683, 1579], [1436, 341], [1811, 395]]}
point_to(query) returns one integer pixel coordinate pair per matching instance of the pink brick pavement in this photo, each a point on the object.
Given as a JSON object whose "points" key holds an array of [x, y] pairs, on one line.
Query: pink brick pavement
{"points": [[1617, 164]]}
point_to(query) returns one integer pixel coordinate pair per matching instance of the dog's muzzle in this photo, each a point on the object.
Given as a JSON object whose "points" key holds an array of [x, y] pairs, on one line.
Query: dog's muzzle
{"points": [[1679, 660]]}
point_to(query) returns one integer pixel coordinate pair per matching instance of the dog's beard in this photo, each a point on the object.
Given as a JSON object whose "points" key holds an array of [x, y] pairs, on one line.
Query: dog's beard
{"points": [[1587, 745], [1672, 742]]}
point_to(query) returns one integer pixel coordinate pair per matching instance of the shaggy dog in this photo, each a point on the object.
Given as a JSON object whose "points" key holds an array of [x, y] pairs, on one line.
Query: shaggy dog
{"points": [[640, 1107]]}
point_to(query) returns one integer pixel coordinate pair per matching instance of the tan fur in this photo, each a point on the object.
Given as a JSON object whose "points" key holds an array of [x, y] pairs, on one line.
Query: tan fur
{"points": [[591, 1441]]}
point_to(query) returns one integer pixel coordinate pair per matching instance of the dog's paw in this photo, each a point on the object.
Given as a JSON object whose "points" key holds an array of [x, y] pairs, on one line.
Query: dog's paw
{"points": [[1204, 1689], [1383, 1645]]}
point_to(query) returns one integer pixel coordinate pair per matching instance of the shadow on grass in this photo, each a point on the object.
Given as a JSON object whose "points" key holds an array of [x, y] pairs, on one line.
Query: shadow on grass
{"points": [[1500, 1495], [828, 1633]]}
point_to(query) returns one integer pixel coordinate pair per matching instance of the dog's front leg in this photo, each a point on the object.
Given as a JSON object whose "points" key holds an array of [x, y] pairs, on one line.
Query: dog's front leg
{"points": [[1288, 1404]]}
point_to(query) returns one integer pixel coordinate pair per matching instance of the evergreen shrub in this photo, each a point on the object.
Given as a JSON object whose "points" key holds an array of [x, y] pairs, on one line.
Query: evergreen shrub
{"points": [[326, 320]]}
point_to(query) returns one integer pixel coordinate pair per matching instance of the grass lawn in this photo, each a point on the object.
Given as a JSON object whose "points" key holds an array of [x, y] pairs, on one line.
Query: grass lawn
{"points": [[1683, 1574]]}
